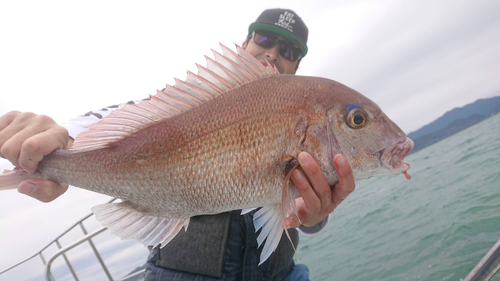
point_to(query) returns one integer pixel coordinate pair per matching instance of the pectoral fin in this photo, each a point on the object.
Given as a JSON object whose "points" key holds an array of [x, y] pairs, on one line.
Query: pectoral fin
{"points": [[268, 218], [272, 219]]}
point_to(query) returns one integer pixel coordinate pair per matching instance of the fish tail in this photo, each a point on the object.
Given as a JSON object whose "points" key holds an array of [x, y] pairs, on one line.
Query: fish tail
{"points": [[10, 179]]}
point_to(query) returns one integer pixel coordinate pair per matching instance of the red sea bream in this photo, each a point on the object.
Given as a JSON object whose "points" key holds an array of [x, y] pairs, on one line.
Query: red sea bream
{"points": [[224, 139]]}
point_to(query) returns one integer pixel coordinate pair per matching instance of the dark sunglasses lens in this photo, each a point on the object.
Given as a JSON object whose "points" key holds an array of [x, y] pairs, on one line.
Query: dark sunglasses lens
{"points": [[264, 40], [267, 41], [288, 52]]}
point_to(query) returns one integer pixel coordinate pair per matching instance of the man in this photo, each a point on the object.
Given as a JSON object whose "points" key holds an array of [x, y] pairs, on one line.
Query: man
{"points": [[218, 247]]}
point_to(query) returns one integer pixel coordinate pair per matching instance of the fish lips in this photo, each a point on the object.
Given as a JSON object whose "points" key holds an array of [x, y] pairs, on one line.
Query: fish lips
{"points": [[392, 157]]}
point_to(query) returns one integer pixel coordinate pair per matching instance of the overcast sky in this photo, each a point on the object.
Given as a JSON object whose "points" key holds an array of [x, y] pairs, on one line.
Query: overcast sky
{"points": [[417, 59]]}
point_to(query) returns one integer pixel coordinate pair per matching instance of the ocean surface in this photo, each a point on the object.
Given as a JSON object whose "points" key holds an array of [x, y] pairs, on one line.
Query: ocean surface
{"points": [[436, 226]]}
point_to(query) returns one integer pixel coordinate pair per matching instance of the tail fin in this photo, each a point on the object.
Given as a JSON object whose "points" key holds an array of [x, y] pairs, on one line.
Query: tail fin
{"points": [[11, 179]]}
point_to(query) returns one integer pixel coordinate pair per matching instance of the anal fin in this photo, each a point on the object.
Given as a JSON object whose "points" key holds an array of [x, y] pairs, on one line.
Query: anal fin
{"points": [[268, 218], [123, 220]]}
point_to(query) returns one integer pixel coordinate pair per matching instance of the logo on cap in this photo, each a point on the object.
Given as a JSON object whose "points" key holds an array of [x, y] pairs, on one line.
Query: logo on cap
{"points": [[285, 21]]}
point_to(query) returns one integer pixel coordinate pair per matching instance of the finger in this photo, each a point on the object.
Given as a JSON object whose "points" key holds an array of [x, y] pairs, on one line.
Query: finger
{"points": [[346, 182], [30, 137], [307, 193], [6, 119], [292, 222], [316, 177], [42, 190], [14, 122], [18, 122], [12, 147], [10, 124], [35, 148]]}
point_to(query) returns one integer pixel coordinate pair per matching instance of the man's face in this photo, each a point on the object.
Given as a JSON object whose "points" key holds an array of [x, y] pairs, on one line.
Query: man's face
{"points": [[272, 55]]}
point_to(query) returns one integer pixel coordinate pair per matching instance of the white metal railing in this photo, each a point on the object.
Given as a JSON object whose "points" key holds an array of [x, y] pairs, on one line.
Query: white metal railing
{"points": [[487, 267], [62, 252]]}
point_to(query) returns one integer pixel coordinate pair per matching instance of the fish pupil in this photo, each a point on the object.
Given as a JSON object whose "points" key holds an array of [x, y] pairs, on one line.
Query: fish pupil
{"points": [[358, 119]]}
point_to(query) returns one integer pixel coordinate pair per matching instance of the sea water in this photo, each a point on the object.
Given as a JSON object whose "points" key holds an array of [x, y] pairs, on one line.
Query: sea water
{"points": [[436, 226]]}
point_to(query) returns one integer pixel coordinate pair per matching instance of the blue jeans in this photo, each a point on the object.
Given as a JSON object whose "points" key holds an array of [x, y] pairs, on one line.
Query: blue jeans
{"points": [[299, 273], [240, 263]]}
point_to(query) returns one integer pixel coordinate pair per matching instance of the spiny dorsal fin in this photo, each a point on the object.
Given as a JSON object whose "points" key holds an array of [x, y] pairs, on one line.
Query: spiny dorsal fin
{"points": [[225, 72]]}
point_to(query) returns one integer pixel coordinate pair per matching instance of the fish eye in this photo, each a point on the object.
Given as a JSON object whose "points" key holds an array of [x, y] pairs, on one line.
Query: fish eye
{"points": [[357, 118]]}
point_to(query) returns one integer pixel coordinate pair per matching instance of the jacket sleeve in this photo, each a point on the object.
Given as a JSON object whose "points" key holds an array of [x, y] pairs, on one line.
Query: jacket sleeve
{"points": [[79, 124], [313, 230]]}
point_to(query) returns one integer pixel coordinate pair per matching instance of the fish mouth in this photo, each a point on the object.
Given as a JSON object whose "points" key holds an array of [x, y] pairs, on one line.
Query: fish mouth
{"points": [[393, 157]]}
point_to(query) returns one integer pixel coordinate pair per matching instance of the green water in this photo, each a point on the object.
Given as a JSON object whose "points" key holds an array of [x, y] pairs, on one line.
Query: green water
{"points": [[436, 226]]}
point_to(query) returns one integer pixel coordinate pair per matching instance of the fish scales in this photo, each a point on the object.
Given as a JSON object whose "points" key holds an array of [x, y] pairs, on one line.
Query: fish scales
{"points": [[213, 144], [210, 163]]}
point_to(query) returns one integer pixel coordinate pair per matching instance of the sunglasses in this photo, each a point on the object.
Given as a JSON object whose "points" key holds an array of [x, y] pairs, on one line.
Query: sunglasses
{"points": [[268, 40]]}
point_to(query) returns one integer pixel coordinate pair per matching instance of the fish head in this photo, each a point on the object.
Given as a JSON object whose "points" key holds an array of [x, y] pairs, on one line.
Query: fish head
{"points": [[372, 143]]}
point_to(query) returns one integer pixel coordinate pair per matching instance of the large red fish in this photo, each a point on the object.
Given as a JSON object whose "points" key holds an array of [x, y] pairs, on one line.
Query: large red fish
{"points": [[224, 139]]}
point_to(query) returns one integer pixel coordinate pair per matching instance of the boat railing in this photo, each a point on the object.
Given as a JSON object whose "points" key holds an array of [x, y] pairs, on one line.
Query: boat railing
{"points": [[488, 266], [62, 252]]}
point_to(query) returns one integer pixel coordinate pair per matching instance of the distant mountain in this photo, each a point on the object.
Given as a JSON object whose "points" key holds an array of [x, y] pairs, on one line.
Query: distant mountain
{"points": [[455, 121]]}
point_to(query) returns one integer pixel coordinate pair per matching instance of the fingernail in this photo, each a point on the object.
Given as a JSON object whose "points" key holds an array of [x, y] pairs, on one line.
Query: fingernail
{"points": [[304, 158], [297, 175], [27, 189], [340, 161]]}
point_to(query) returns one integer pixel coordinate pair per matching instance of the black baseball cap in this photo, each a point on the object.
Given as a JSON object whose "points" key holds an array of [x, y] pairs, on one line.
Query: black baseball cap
{"points": [[285, 23]]}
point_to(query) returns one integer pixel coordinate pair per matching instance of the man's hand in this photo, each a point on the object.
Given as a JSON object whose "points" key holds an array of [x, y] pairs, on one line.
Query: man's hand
{"points": [[25, 138], [318, 199]]}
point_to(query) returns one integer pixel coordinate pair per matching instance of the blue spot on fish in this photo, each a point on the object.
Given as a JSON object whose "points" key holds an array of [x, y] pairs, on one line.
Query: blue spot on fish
{"points": [[352, 106]]}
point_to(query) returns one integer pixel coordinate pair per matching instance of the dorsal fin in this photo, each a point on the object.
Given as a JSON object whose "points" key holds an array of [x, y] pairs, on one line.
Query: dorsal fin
{"points": [[225, 72]]}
